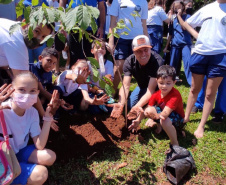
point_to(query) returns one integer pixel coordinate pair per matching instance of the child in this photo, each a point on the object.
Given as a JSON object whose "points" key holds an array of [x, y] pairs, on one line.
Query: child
{"points": [[23, 121], [181, 41], [42, 70], [73, 91], [106, 69], [165, 106], [208, 57]]}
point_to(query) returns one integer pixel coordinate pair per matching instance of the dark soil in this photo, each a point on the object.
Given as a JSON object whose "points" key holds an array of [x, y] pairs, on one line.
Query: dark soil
{"points": [[86, 134]]}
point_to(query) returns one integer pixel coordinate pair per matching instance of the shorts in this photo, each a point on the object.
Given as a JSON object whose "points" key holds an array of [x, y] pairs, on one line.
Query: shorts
{"points": [[123, 49], [210, 65], [177, 120], [26, 168]]}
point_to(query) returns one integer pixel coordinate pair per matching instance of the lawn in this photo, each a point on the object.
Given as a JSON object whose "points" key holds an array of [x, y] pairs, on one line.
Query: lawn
{"points": [[141, 161]]}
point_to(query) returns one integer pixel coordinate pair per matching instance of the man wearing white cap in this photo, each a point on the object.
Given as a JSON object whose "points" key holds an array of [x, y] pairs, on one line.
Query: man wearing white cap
{"points": [[142, 65]]}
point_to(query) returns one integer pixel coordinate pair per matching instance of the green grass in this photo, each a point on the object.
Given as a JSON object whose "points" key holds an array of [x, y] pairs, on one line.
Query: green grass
{"points": [[145, 158]]}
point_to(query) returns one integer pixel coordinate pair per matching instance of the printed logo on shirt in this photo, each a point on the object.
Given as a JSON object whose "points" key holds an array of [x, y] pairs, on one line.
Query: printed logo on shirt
{"points": [[137, 8], [223, 20]]}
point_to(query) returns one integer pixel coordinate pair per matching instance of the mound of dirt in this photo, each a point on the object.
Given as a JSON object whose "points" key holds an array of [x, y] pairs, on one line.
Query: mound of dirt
{"points": [[86, 134]]}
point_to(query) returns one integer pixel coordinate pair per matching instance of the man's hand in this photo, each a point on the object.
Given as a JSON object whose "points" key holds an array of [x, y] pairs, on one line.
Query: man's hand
{"points": [[100, 33], [5, 92], [117, 109], [81, 78], [135, 124], [134, 112], [54, 104]]}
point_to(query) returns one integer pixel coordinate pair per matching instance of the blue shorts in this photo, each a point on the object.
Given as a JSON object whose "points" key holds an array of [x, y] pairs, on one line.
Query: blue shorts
{"points": [[26, 168], [209, 65], [177, 120], [123, 49]]}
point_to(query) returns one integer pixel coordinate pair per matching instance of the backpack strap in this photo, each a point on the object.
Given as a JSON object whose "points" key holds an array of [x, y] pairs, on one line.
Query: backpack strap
{"points": [[4, 129]]}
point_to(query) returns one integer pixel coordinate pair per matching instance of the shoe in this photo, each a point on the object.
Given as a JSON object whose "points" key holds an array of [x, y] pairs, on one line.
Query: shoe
{"points": [[218, 118], [195, 110]]}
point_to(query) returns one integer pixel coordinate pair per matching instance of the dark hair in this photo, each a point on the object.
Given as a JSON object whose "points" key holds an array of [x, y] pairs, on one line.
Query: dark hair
{"points": [[51, 26], [187, 1], [165, 71], [177, 1], [50, 52]]}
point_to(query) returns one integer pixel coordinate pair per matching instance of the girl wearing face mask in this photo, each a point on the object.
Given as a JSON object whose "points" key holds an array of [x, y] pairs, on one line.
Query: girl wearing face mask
{"points": [[23, 121], [180, 41]]}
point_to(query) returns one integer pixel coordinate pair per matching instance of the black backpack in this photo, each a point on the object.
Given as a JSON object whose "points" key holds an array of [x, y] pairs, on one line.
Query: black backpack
{"points": [[177, 164]]}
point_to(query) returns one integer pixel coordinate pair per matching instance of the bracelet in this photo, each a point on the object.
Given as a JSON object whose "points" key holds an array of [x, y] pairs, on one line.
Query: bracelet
{"points": [[49, 119]]}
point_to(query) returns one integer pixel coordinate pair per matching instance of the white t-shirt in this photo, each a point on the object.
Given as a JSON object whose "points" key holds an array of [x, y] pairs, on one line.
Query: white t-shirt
{"points": [[20, 127], [13, 51], [109, 69], [212, 36], [156, 16], [68, 86], [123, 10]]}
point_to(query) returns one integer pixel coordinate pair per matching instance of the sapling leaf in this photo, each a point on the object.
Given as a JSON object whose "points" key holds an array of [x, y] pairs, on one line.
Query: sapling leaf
{"points": [[93, 61], [109, 89], [14, 28], [30, 33], [20, 8], [83, 18], [46, 38], [102, 83], [34, 2], [108, 81], [93, 11], [50, 42], [93, 25], [61, 37]]}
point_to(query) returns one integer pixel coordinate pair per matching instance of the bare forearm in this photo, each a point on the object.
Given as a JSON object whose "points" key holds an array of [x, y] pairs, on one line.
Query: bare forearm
{"points": [[168, 41], [123, 95], [102, 16], [41, 141]]}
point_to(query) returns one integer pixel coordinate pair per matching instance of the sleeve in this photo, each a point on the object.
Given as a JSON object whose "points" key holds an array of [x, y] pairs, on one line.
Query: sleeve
{"points": [[17, 55], [162, 14], [173, 102], [196, 19], [145, 11], [127, 68], [114, 9], [110, 68], [35, 129], [152, 100], [83, 87]]}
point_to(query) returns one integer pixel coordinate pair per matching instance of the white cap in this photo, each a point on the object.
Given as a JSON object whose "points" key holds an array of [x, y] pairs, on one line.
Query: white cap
{"points": [[141, 41]]}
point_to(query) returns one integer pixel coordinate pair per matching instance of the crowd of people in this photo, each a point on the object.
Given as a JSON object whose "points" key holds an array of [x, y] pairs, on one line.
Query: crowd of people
{"points": [[33, 104]]}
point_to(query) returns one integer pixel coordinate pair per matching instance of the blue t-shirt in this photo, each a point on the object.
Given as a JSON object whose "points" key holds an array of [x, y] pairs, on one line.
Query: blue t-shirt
{"points": [[44, 77], [29, 3], [88, 2], [180, 37]]}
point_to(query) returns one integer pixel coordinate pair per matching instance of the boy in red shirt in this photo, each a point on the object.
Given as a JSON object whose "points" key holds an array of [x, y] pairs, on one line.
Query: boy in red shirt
{"points": [[165, 106]]}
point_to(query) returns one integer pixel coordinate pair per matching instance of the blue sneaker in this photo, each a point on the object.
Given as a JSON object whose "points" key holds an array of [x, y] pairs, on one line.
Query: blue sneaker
{"points": [[110, 101], [103, 108]]}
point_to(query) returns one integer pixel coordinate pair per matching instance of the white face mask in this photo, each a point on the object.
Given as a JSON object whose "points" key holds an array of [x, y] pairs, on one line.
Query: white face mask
{"points": [[24, 101]]}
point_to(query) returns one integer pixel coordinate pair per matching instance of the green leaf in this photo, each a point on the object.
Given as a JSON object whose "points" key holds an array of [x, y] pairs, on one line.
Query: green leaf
{"points": [[34, 2], [80, 35], [44, 5], [95, 74], [108, 81], [109, 90], [27, 12], [93, 61], [50, 14], [46, 38], [83, 18], [109, 35], [14, 28], [93, 11], [124, 33], [93, 25], [131, 23], [20, 8], [70, 19], [102, 83], [70, 4], [116, 35], [50, 42], [61, 37], [30, 33]]}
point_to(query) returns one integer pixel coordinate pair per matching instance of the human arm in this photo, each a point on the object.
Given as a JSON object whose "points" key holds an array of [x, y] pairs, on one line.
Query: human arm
{"points": [[165, 50], [62, 3], [95, 100], [80, 77], [144, 25], [136, 122], [113, 24], [41, 140], [102, 17], [186, 26]]}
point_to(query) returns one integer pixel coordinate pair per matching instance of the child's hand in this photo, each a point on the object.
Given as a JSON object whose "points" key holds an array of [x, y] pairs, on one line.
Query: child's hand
{"points": [[117, 109], [54, 104], [65, 105], [101, 100], [135, 124], [54, 125], [109, 77], [5, 93], [81, 78], [179, 12]]}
